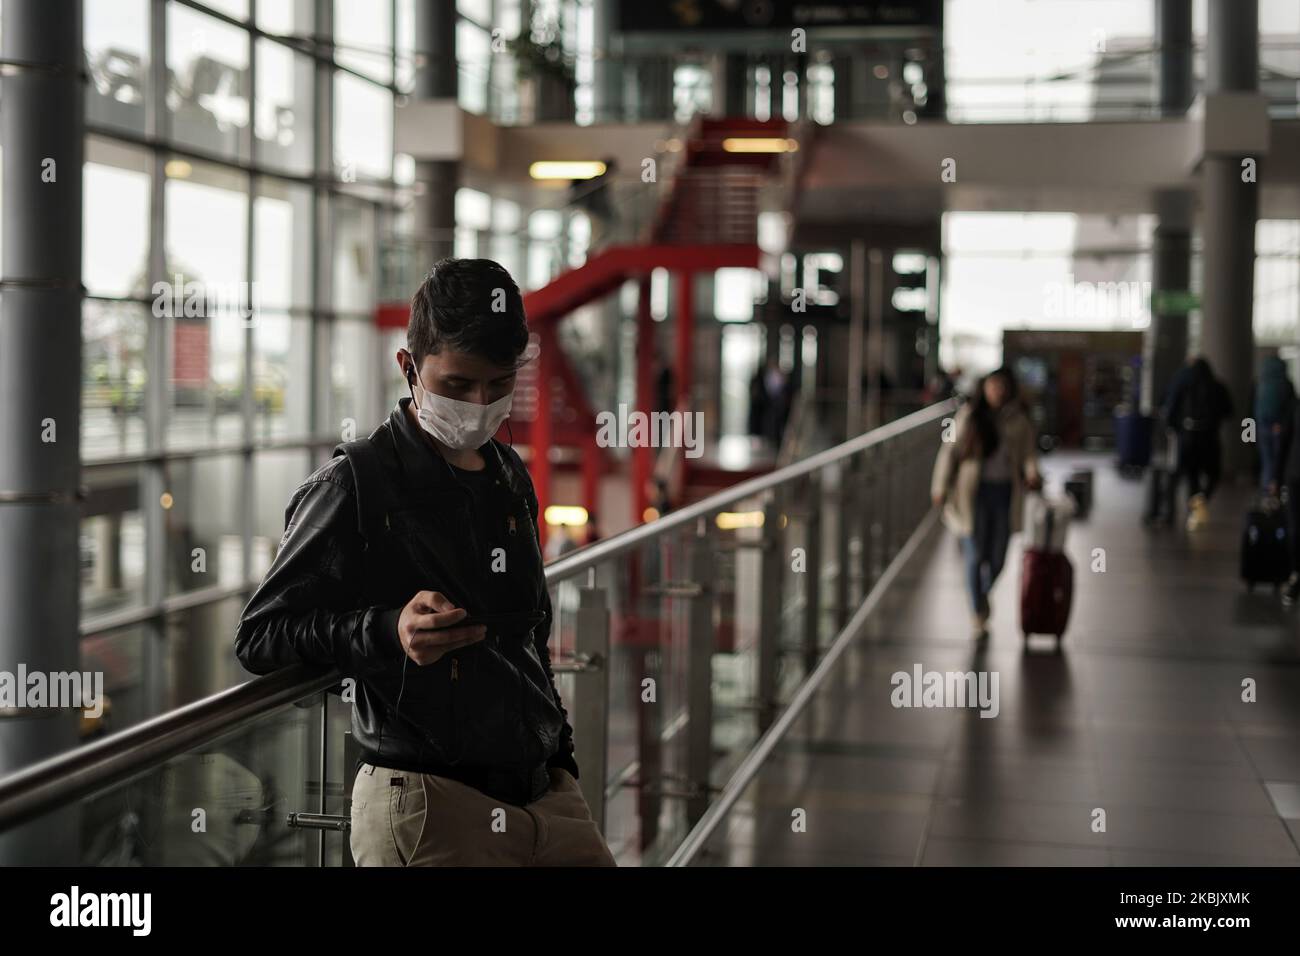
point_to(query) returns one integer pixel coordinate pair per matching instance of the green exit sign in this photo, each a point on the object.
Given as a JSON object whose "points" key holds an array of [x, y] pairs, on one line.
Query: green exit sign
{"points": [[1174, 301]]}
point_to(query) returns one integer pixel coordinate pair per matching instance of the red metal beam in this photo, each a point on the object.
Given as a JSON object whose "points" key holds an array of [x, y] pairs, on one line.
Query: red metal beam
{"points": [[642, 465], [543, 431]]}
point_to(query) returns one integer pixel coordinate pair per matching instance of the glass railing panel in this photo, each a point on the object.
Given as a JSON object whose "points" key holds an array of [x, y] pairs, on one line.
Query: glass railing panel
{"points": [[223, 804]]}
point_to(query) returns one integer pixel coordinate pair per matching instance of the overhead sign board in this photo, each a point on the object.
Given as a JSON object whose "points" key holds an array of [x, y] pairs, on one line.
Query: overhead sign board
{"points": [[673, 15]]}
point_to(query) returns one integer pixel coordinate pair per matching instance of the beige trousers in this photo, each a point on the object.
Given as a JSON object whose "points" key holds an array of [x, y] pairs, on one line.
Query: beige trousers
{"points": [[411, 819]]}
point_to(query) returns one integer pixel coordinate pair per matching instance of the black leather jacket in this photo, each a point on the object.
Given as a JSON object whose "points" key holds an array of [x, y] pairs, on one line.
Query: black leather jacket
{"points": [[487, 714]]}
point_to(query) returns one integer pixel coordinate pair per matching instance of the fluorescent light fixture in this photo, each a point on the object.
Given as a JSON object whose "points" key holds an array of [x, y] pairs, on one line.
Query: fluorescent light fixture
{"points": [[731, 520], [759, 144], [569, 515], [177, 169], [566, 169]]}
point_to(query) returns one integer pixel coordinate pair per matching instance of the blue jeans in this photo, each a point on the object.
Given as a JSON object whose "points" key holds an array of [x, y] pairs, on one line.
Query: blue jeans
{"points": [[986, 547]]}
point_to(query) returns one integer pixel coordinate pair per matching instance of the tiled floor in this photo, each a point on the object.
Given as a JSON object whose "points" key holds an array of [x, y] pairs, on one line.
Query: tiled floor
{"points": [[1139, 718]]}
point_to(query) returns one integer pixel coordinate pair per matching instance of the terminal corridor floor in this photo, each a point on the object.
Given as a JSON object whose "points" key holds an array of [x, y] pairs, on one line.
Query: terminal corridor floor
{"points": [[1133, 746]]}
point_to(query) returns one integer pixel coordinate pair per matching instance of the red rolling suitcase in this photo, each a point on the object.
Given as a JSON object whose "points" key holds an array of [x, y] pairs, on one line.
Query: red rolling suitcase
{"points": [[1046, 587], [1046, 581]]}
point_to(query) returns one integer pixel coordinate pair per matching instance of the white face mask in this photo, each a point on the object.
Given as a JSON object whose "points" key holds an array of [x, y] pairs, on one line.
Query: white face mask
{"points": [[461, 425]]}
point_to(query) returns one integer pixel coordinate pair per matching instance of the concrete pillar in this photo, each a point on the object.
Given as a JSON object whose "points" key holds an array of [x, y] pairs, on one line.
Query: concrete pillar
{"points": [[436, 181], [1230, 211], [1174, 36], [607, 74], [40, 412], [1165, 344]]}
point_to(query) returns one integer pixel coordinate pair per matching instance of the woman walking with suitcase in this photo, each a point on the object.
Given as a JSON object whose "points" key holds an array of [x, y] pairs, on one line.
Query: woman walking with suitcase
{"points": [[988, 460]]}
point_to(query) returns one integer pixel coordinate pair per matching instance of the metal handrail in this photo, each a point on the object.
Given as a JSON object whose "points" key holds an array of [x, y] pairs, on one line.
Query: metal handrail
{"points": [[575, 564], [59, 780], [69, 776]]}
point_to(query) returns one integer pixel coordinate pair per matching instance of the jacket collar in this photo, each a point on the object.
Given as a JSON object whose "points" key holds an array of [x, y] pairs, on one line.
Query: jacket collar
{"points": [[422, 466]]}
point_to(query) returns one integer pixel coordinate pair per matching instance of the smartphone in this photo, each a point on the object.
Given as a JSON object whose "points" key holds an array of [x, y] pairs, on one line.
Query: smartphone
{"points": [[516, 622]]}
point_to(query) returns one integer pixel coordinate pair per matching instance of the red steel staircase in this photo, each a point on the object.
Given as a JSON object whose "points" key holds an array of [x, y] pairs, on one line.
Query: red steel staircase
{"points": [[706, 220]]}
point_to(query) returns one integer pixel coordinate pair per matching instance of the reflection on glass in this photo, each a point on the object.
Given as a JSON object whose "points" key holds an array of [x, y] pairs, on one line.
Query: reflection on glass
{"points": [[199, 652], [207, 81], [119, 656], [112, 552], [283, 122], [246, 784], [117, 58], [201, 503], [114, 335]]}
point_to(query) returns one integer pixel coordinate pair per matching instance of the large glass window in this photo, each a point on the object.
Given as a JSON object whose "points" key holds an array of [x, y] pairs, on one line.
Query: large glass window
{"points": [[115, 220], [201, 504], [117, 57], [285, 17], [120, 656], [354, 256], [236, 321], [282, 376], [114, 372], [282, 225], [112, 554], [363, 129], [363, 37], [277, 474], [206, 216], [283, 121], [354, 378], [207, 94], [199, 654]]}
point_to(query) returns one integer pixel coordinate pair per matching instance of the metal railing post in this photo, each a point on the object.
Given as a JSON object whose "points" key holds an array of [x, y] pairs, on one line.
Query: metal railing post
{"points": [[591, 697], [869, 482], [812, 592], [843, 523], [701, 642], [351, 754], [888, 520], [772, 563]]}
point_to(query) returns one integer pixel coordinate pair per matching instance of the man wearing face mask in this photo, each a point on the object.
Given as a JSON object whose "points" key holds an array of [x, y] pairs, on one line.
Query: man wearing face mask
{"points": [[390, 554]]}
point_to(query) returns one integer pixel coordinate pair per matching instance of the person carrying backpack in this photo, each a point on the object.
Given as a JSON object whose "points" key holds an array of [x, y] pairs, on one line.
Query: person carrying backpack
{"points": [[1198, 404], [410, 562]]}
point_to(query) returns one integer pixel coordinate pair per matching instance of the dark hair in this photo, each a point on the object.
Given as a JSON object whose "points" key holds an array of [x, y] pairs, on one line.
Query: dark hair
{"points": [[983, 419], [468, 305]]}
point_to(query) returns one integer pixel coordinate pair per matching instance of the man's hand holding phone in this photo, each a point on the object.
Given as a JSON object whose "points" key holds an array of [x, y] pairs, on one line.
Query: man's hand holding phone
{"points": [[427, 628]]}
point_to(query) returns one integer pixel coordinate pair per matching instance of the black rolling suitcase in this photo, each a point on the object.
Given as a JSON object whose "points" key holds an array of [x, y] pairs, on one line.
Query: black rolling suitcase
{"points": [[1079, 487], [1265, 557]]}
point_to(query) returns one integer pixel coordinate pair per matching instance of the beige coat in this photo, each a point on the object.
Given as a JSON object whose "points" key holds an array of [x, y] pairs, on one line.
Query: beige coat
{"points": [[959, 496]]}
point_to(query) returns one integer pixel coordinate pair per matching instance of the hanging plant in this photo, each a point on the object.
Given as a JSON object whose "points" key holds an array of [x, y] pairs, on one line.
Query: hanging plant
{"points": [[539, 53]]}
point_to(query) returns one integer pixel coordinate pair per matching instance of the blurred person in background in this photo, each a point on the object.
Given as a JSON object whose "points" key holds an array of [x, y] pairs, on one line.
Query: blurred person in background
{"points": [[1271, 405], [1198, 404], [985, 465]]}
